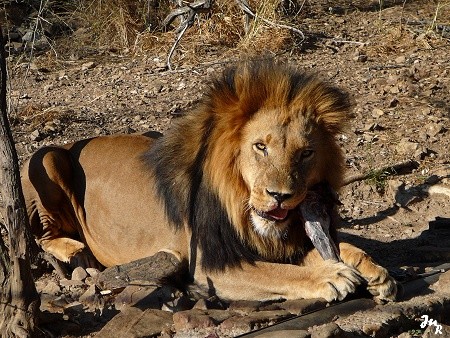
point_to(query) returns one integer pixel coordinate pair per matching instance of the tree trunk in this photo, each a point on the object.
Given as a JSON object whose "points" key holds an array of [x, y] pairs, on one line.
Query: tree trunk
{"points": [[19, 300]]}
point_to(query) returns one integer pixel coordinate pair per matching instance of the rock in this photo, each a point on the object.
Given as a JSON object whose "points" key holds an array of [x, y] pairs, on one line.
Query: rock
{"points": [[79, 274], [87, 65], [330, 330], [360, 58], [301, 306], [437, 332], [432, 129], [92, 272], [134, 322], [255, 320], [70, 283], [52, 288], [407, 147], [244, 306], [378, 330], [443, 284], [36, 135], [146, 271], [285, 334], [89, 296], [73, 308], [400, 59], [377, 112], [196, 319], [133, 294]]}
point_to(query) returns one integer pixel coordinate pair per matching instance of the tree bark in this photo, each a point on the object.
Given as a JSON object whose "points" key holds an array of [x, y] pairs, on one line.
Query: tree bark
{"points": [[19, 300]]}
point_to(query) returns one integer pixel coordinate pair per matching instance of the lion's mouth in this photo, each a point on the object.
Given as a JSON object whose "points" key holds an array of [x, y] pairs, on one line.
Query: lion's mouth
{"points": [[278, 214]]}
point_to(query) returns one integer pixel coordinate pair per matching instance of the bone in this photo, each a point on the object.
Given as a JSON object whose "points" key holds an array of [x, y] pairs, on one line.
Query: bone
{"points": [[317, 227]]}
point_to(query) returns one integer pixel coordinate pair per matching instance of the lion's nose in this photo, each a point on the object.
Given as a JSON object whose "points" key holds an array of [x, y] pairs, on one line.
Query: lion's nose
{"points": [[279, 196]]}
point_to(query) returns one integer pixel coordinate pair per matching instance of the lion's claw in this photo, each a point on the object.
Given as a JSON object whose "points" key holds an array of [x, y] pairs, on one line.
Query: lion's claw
{"points": [[337, 281]]}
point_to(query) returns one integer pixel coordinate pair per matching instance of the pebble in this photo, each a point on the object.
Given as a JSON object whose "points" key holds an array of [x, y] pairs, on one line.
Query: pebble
{"points": [[52, 288], [92, 272], [36, 135], [87, 65], [89, 295], [407, 147], [400, 59], [79, 274], [285, 334], [377, 112], [360, 58], [330, 330]]}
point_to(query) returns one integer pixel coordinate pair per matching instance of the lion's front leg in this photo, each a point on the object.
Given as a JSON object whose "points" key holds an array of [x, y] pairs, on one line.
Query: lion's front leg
{"points": [[379, 282], [271, 281]]}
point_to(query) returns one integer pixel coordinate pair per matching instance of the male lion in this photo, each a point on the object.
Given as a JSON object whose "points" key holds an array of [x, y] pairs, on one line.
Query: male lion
{"points": [[221, 190]]}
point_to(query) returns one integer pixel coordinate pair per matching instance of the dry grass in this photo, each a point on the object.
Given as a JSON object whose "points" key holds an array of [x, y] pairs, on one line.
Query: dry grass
{"points": [[134, 25]]}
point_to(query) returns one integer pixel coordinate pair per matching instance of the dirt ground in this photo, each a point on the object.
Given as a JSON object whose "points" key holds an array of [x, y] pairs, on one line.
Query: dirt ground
{"points": [[394, 62]]}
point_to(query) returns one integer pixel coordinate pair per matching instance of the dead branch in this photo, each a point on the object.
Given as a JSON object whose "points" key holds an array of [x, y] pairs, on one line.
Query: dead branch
{"points": [[391, 170], [19, 300], [243, 5], [188, 14]]}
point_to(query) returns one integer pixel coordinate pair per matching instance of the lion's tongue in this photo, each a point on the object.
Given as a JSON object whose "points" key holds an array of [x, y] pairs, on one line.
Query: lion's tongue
{"points": [[278, 213]]}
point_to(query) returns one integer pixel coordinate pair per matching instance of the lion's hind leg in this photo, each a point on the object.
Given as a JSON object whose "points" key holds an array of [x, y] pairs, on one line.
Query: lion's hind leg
{"points": [[52, 206], [379, 283]]}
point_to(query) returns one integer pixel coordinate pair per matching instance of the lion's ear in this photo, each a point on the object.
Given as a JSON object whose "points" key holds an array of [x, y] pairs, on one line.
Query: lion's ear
{"points": [[332, 108]]}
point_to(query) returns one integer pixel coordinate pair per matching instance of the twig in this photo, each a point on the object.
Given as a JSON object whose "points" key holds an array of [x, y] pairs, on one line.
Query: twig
{"points": [[57, 265], [390, 170], [246, 9], [190, 11]]}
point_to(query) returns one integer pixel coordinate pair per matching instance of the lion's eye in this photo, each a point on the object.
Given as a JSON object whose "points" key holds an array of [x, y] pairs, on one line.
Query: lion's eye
{"points": [[260, 147], [308, 153]]}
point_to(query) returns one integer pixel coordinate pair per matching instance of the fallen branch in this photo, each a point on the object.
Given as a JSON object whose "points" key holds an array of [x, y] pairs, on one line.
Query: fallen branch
{"points": [[188, 13], [388, 170]]}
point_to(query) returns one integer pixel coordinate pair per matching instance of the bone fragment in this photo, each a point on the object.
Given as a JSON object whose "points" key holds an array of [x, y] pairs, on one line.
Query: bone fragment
{"points": [[317, 227]]}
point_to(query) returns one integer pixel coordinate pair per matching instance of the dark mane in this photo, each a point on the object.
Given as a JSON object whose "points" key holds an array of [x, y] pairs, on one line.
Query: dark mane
{"points": [[197, 196], [194, 202]]}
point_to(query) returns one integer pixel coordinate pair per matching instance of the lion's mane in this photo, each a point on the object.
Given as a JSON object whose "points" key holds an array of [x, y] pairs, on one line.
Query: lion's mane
{"points": [[196, 164]]}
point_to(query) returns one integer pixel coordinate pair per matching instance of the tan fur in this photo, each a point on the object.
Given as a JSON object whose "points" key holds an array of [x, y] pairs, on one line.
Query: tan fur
{"points": [[208, 191]]}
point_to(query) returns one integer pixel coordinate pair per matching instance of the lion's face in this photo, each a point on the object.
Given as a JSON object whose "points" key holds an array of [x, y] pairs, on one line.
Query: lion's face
{"points": [[279, 161]]}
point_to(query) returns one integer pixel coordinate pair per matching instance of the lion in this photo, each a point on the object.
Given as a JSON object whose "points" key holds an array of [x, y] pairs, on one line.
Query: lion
{"points": [[220, 190]]}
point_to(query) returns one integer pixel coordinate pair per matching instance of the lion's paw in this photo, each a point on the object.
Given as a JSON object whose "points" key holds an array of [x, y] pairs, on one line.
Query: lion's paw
{"points": [[381, 285], [336, 281]]}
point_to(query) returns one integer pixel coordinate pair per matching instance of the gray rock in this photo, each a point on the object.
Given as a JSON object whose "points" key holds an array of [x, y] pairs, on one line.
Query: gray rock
{"points": [[330, 330], [134, 294], [407, 147], [89, 296], [51, 288], [244, 306], [135, 322], [87, 65], [285, 334], [71, 283], [36, 135], [255, 320], [300, 306], [79, 274], [197, 319]]}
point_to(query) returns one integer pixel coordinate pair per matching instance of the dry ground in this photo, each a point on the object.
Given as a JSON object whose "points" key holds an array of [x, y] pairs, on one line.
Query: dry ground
{"points": [[394, 62]]}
